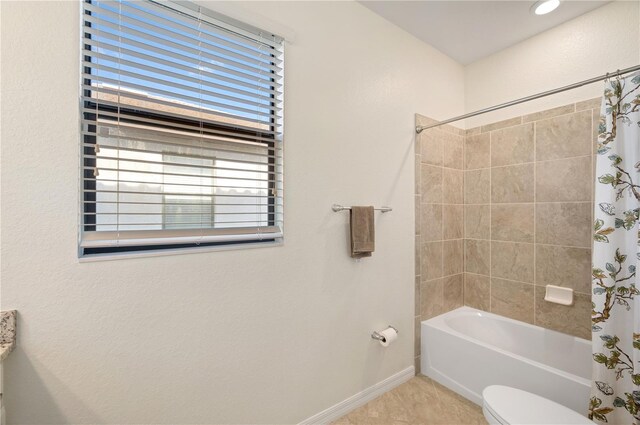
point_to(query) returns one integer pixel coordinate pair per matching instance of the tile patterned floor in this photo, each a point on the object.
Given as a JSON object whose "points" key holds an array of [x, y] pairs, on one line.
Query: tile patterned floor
{"points": [[417, 401]]}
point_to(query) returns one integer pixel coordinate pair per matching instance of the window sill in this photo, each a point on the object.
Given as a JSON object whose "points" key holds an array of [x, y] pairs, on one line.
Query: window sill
{"points": [[179, 251]]}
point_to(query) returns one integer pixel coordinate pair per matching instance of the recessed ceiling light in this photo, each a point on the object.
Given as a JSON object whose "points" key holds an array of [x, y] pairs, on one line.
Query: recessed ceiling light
{"points": [[542, 7]]}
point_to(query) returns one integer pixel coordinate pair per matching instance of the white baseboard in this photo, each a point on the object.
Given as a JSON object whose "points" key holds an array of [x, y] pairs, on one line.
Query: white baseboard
{"points": [[339, 410]]}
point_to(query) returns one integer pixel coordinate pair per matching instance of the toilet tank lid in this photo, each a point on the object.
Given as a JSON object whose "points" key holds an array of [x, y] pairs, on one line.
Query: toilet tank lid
{"points": [[514, 406]]}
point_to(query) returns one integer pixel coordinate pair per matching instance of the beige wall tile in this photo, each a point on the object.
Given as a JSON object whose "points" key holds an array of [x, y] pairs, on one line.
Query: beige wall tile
{"points": [[448, 128], [589, 104], [502, 124], [477, 186], [452, 186], [512, 184], [564, 224], [513, 145], [431, 299], [512, 260], [452, 290], [416, 336], [453, 221], [549, 113], [476, 151], [500, 273], [418, 255], [501, 221], [476, 291], [477, 224], [564, 136], [452, 150], [573, 320], [418, 174], [416, 307], [424, 120], [512, 299], [431, 226], [452, 257], [477, 256], [472, 131], [417, 205], [431, 267], [595, 129], [564, 180], [431, 146], [564, 266], [431, 184], [512, 222]]}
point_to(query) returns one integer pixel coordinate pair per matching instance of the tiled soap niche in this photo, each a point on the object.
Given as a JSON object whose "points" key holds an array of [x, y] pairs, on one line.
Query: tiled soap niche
{"points": [[503, 210]]}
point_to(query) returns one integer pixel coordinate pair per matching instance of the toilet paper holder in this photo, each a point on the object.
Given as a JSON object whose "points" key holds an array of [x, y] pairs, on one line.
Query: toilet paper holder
{"points": [[376, 334]]}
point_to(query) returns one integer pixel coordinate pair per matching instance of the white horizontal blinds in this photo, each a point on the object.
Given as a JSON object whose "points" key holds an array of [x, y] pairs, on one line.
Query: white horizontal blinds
{"points": [[182, 127]]}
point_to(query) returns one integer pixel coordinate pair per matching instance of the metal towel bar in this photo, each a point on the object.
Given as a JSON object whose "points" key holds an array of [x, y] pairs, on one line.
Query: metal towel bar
{"points": [[336, 208]]}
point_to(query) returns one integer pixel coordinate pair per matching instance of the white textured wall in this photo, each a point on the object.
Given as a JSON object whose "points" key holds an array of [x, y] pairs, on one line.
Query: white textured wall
{"points": [[271, 335], [595, 43]]}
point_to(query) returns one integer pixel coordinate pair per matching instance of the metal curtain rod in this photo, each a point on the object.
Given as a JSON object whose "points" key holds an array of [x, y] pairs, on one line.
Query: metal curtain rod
{"points": [[420, 128]]}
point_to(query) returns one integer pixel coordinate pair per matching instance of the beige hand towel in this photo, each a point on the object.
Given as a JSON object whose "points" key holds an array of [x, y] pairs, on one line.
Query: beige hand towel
{"points": [[363, 232]]}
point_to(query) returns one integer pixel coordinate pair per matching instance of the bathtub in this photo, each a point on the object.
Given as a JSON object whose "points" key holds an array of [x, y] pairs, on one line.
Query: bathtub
{"points": [[468, 349]]}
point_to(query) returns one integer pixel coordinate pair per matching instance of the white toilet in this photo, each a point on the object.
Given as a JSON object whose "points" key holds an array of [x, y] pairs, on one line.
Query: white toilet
{"points": [[510, 406]]}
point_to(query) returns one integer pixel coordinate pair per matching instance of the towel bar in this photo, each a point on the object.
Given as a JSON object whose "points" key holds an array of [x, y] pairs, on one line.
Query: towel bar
{"points": [[336, 208]]}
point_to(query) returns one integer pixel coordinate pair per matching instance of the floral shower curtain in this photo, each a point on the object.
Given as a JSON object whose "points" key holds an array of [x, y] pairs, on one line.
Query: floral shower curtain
{"points": [[615, 394]]}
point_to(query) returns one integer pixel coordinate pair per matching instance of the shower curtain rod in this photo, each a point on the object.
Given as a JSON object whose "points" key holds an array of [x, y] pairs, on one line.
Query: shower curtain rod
{"points": [[420, 128]]}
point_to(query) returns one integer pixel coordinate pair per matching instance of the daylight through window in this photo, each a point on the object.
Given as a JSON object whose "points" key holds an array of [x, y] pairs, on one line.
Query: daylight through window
{"points": [[181, 129]]}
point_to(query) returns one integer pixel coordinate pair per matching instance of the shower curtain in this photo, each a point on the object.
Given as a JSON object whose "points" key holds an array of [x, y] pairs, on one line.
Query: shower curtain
{"points": [[615, 393]]}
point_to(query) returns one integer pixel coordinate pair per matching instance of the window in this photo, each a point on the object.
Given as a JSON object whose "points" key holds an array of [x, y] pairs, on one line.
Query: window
{"points": [[181, 128]]}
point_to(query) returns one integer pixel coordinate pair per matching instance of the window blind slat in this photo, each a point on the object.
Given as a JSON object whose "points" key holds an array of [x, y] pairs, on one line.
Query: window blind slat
{"points": [[117, 119], [133, 26], [184, 145], [233, 27], [90, 168], [152, 92], [217, 153], [190, 185], [224, 119], [243, 165], [144, 48], [179, 84], [185, 194], [254, 92], [210, 33], [115, 239], [257, 90], [181, 128]]}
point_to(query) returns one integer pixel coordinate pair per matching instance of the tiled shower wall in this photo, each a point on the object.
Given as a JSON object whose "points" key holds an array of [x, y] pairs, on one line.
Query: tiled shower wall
{"points": [[525, 214], [439, 223], [528, 205]]}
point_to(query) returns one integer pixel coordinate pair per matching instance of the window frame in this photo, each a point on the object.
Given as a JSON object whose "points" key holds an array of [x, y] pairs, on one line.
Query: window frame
{"points": [[88, 193]]}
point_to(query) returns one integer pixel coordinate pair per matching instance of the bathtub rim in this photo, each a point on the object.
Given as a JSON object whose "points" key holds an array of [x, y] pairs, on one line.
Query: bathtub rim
{"points": [[438, 322]]}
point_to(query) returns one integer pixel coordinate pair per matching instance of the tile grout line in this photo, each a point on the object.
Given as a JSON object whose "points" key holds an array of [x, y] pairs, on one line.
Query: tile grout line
{"points": [[522, 117], [531, 243], [464, 225], [417, 290], [491, 221], [523, 282], [528, 162], [535, 212], [441, 228], [443, 277], [524, 203]]}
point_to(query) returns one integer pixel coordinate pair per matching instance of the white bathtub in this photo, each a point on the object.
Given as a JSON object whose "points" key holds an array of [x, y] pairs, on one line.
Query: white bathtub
{"points": [[468, 349]]}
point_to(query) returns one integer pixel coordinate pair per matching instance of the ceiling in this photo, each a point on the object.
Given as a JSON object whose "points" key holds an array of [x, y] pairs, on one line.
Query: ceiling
{"points": [[471, 30]]}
